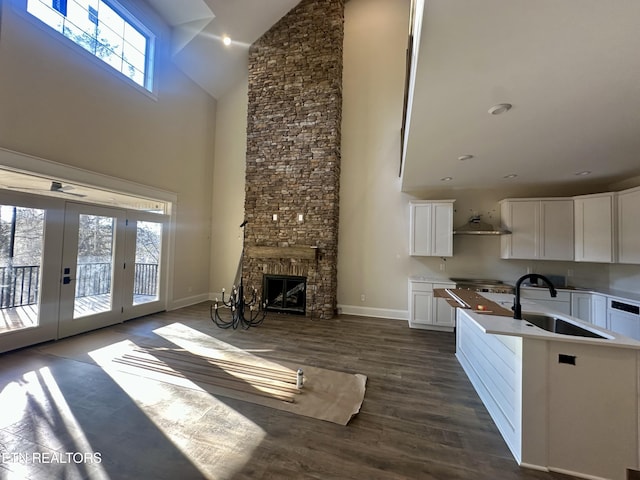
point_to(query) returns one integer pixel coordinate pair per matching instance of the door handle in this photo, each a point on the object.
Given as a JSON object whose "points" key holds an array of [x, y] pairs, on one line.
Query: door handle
{"points": [[66, 276]]}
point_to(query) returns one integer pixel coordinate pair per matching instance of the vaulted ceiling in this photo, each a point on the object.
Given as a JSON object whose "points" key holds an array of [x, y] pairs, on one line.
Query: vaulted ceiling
{"points": [[570, 69], [199, 27]]}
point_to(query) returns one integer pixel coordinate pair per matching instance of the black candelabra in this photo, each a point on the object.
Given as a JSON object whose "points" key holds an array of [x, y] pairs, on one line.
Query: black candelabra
{"points": [[244, 312]]}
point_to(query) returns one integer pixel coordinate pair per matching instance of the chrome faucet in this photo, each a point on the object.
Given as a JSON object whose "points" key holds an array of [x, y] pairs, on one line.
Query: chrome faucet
{"points": [[517, 308]]}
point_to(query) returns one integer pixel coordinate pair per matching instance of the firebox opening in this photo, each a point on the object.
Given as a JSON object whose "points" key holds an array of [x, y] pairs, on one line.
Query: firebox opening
{"points": [[285, 293]]}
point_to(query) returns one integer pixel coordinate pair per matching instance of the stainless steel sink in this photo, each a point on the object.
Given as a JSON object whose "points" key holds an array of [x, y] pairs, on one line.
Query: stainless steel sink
{"points": [[555, 324]]}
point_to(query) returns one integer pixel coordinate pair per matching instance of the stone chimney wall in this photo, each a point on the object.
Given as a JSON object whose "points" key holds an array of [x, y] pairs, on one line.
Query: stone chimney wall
{"points": [[293, 149]]}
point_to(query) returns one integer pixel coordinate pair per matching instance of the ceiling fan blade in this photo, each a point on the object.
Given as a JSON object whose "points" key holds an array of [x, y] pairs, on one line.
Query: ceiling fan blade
{"points": [[55, 187], [11, 187], [59, 188]]}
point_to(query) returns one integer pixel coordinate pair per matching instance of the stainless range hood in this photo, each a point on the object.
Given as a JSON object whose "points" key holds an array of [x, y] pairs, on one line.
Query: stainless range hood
{"points": [[475, 226]]}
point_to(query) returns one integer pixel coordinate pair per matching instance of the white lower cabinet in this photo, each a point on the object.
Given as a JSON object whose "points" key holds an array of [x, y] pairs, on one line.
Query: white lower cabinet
{"points": [[561, 303], [599, 310], [427, 311], [612, 313], [623, 317], [589, 307], [581, 306]]}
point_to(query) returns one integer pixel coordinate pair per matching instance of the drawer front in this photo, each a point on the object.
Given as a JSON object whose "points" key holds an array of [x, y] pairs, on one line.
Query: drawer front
{"points": [[543, 294], [421, 286], [425, 286]]}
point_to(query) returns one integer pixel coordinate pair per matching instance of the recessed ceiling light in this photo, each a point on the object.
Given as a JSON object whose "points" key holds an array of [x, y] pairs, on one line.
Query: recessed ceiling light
{"points": [[511, 175], [500, 108], [462, 158], [446, 179], [582, 174], [226, 40]]}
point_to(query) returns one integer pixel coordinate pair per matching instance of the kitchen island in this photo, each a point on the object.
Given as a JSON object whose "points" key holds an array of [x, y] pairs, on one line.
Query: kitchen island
{"points": [[562, 403]]}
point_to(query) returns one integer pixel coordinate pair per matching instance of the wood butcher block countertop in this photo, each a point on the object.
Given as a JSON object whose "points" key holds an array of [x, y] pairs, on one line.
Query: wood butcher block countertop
{"points": [[473, 300]]}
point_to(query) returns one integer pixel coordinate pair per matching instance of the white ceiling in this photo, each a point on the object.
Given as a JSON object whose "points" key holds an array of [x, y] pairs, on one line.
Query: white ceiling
{"points": [[199, 27], [571, 69]]}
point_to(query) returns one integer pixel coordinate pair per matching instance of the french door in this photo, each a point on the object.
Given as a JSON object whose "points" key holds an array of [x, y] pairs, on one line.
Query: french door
{"points": [[68, 267], [145, 262], [112, 266], [30, 245], [92, 276]]}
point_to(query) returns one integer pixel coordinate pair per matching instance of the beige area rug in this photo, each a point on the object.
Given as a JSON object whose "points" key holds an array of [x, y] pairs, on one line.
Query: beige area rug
{"points": [[195, 360]]}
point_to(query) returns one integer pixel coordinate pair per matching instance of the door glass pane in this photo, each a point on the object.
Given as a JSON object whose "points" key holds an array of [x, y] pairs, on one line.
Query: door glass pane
{"points": [[94, 270], [147, 272], [21, 242]]}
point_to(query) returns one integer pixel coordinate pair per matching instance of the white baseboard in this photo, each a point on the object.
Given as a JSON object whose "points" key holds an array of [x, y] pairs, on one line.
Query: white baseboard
{"points": [[187, 301], [576, 474], [532, 466], [374, 312], [349, 310]]}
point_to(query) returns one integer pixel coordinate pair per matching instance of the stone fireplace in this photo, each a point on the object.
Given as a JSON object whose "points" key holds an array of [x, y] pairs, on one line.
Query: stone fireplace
{"points": [[293, 152]]}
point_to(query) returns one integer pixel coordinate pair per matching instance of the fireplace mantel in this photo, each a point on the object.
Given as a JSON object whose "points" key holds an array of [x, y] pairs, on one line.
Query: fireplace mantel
{"points": [[307, 252]]}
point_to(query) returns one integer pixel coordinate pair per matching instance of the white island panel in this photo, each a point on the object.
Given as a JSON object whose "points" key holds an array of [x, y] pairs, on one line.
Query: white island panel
{"points": [[562, 403], [593, 410], [493, 364]]}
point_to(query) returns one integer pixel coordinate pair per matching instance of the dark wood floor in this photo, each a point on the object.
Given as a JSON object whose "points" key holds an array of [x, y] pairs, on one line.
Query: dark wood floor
{"points": [[421, 418]]}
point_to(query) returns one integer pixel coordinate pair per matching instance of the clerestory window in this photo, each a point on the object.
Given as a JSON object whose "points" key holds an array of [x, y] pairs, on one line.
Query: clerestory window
{"points": [[106, 30]]}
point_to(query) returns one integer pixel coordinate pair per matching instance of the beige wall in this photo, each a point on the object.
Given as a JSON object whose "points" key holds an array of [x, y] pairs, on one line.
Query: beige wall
{"points": [[57, 105], [373, 255], [373, 248], [372, 252], [228, 187]]}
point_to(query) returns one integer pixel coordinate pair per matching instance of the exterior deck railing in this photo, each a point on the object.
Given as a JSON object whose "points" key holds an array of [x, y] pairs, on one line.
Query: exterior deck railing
{"points": [[20, 286]]}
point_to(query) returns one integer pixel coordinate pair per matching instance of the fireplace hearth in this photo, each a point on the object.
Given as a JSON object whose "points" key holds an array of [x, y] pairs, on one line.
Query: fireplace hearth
{"points": [[285, 293]]}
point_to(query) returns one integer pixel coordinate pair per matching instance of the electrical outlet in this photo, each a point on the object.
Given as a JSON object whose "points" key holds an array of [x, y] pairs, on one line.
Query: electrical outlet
{"points": [[570, 272], [442, 267], [363, 297]]}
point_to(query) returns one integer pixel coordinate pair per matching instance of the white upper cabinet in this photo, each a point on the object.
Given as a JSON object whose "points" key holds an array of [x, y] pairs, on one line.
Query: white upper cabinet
{"points": [[629, 226], [523, 220], [431, 228], [541, 229], [595, 230]]}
